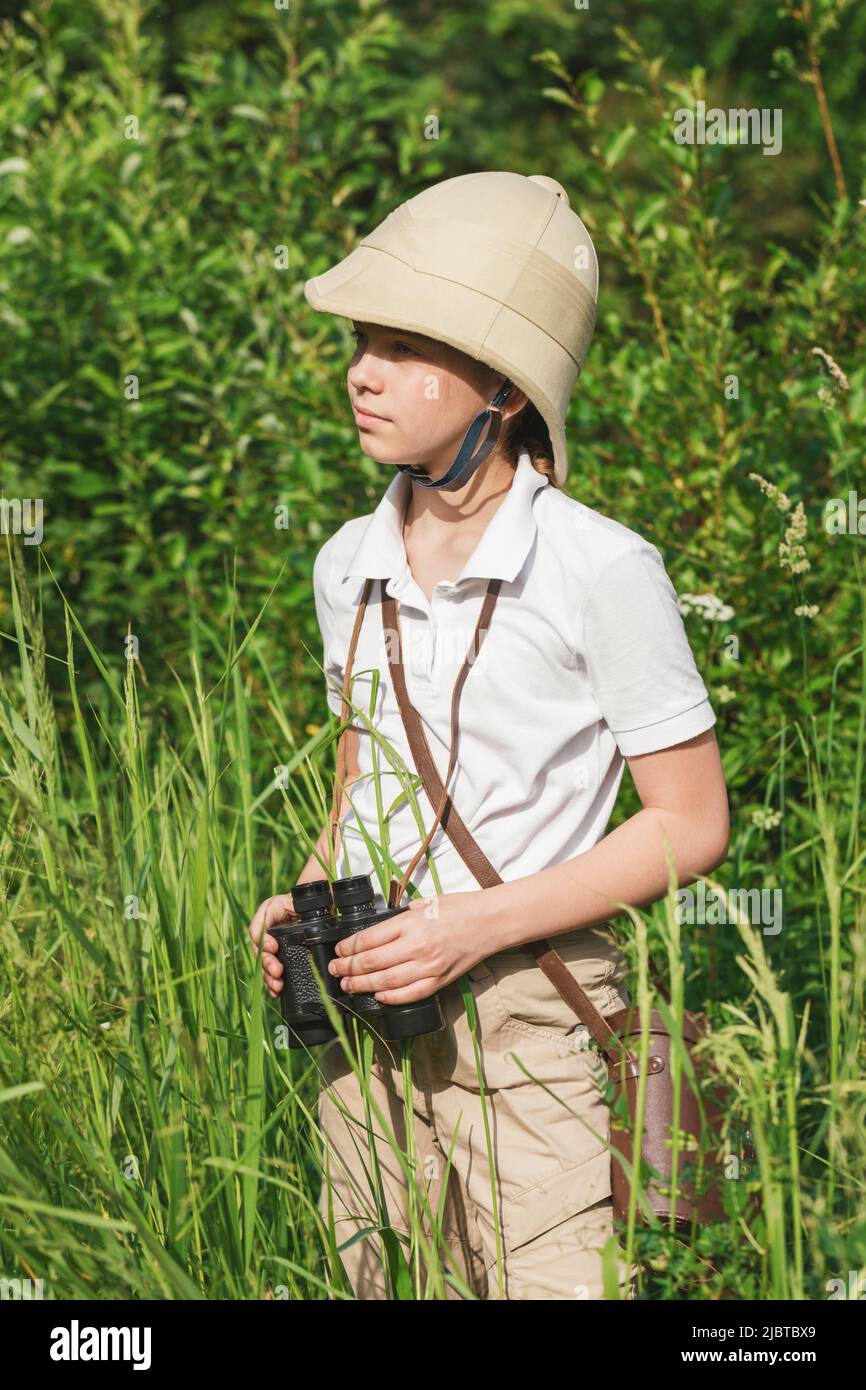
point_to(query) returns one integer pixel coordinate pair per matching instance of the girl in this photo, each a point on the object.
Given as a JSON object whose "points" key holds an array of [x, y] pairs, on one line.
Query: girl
{"points": [[473, 305]]}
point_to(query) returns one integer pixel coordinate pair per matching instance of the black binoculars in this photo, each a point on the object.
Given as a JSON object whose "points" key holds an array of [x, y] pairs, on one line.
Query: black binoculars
{"points": [[329, 912]]}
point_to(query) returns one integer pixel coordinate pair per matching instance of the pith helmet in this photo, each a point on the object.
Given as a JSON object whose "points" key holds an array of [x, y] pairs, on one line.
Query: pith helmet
{"points": [[495, 264]]}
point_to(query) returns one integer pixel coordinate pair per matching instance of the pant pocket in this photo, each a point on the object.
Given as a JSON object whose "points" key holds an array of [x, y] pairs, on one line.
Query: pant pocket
{"points": [[531, 1005], [554, 1235], [538, 1210]]}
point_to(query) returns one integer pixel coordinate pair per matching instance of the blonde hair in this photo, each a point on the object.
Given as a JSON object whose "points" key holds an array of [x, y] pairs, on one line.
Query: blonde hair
{"points": [[526, 432]]}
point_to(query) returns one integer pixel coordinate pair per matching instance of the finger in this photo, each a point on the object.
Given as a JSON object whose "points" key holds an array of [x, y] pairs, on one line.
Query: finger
{"points": [[270, 946], [394, 978], [268, 914], [409, 994], [257, 925], [379, 934], [273, 967], [379, 958], [279, 909]]}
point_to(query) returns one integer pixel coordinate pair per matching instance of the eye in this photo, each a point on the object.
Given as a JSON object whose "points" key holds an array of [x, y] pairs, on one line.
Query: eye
{"points": [[398, 346]]}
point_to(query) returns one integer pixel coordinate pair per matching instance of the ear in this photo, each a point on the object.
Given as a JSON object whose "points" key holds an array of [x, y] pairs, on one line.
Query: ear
{"points": [[516, 401]]}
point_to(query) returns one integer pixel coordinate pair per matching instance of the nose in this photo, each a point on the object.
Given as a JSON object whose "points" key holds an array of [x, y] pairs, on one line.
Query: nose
{"points": [[364, 374]]}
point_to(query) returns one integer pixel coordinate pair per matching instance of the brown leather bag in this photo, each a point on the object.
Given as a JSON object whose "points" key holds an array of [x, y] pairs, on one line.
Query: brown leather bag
{"points": [[612, 1032]]}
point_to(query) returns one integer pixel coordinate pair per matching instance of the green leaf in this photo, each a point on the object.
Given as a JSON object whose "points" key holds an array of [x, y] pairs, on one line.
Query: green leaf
{"points": [[252, 113], [21, 731], [616, 148], [650, 210], [119, 237], [557, 94]]}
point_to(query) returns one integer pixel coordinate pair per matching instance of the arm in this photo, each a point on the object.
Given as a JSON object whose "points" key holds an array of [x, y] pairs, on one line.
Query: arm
{"points": [[683, 797]]}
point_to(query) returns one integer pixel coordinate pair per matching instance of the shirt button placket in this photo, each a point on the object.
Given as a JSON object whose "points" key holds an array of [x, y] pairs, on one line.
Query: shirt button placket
{"points": [[444, 593], [413, 634], [418, 634], [426, 637], [447, 594], [433, 633]]}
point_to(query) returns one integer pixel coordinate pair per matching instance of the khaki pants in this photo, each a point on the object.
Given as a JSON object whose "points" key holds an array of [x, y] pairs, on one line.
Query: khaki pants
{"points": [[553, 1191]]}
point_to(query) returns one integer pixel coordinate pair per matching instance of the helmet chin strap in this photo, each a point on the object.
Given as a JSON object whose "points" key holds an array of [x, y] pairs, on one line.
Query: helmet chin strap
{"points": [[465, 465]]}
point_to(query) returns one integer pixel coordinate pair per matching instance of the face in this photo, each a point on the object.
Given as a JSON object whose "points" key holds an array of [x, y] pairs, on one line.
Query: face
{"points": [[414, 398]]}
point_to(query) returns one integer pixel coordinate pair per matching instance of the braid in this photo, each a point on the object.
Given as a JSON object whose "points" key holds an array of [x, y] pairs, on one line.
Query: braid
{"points": [[526, 432]]}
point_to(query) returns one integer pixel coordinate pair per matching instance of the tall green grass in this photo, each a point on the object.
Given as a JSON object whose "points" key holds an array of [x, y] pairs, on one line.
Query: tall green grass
{"points": [[156, 1141]]}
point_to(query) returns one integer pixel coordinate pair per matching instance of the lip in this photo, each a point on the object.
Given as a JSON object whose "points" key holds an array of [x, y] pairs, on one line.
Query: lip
{"points": [[363, 416]]}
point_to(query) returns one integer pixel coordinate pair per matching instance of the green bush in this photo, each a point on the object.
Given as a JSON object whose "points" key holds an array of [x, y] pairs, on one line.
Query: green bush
{"points": [[168, 182]]}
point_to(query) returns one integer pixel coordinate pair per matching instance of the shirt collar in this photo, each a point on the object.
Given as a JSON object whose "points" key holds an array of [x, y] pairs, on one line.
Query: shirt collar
{"points": [[499, 554]]}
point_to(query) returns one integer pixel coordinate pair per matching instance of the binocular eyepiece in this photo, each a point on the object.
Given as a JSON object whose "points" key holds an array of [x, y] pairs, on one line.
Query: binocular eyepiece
{"points": [[329, 912]]}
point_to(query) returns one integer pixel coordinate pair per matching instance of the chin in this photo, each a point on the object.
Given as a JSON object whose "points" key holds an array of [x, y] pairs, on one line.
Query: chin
{"points": [[369, 447], [380, 451], [389, 455]]}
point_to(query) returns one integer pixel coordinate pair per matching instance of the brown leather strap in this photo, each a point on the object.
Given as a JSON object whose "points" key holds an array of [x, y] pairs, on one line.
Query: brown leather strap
{"points": [[396, 890], [391, 625]]}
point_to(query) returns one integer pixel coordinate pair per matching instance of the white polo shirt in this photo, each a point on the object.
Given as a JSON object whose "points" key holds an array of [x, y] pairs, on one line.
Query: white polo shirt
{"points": [[586, 662]]}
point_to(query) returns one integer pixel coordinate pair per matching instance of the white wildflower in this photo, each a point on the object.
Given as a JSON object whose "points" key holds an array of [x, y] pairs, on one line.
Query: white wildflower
{"points": [[833, 368], [764, 819], [807, 610], [725, 694], [709, 606], [792, 555], [781, 500]]}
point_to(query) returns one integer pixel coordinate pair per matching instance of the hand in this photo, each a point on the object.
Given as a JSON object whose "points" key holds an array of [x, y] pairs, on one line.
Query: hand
{"points": [[410, 956], [271, 913]]}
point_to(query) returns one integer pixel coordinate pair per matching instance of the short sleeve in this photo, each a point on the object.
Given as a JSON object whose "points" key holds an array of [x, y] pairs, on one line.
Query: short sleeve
{"points": [[639, 662], [325, 614]]}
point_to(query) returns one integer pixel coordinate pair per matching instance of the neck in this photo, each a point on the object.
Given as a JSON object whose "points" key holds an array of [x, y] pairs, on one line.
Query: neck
{"points": [[466, 508]]}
